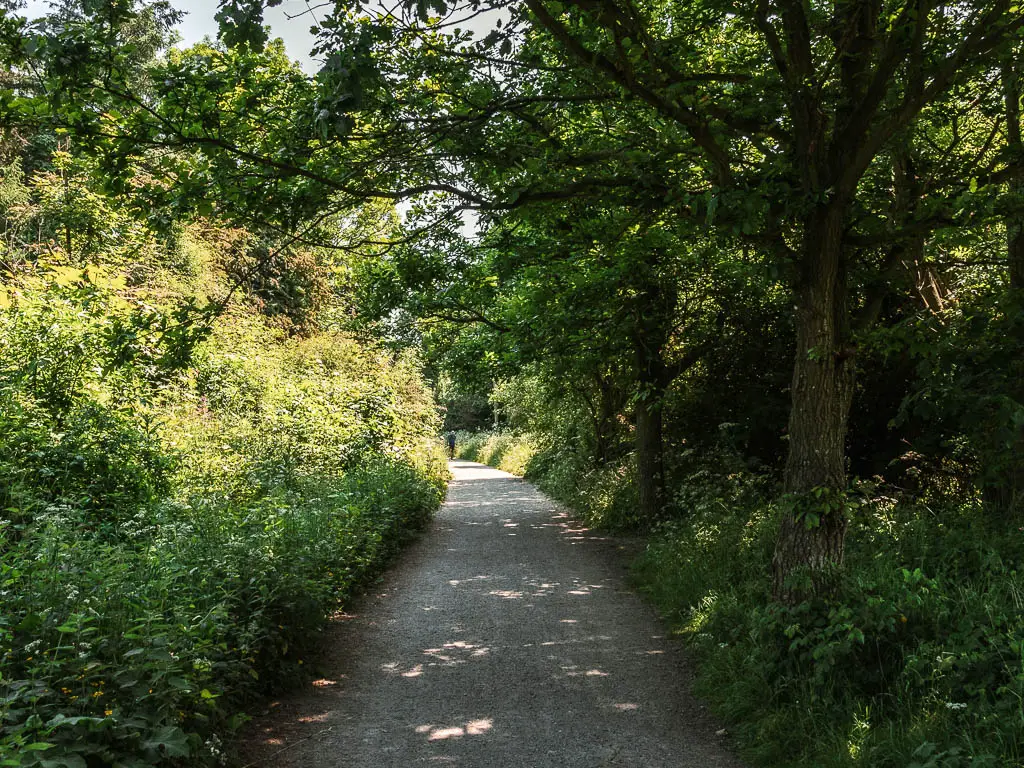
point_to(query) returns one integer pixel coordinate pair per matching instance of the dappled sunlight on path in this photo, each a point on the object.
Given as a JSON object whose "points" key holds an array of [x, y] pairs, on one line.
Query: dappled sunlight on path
{"points": [[506, 637]]}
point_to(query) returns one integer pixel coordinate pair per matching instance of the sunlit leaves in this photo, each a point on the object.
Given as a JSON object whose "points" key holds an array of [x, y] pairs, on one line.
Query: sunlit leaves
{"points": [[241, 22]]}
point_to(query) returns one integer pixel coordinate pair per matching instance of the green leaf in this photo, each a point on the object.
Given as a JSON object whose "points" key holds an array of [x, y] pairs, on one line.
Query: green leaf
{"points": [[180, 683], [65, 761], [170, 741]]}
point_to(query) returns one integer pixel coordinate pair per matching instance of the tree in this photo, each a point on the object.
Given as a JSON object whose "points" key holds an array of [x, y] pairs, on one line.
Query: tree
{"points": [[783, 110], [845, 80], [1011, 81], [769, 122]]}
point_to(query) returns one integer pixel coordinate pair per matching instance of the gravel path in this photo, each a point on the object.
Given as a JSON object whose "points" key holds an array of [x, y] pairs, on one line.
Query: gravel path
{"points": [[505, 638]]}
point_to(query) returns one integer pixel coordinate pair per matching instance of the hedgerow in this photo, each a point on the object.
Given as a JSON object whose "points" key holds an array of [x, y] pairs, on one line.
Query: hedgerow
{"points": [[504, 450], [172, 534], [913, 660]]}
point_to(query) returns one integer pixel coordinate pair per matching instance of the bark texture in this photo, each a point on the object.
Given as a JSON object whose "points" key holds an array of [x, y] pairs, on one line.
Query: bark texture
{"points": [[822, 391], [650, 459], [1009, 494], [655, 307], [1015, 222]]}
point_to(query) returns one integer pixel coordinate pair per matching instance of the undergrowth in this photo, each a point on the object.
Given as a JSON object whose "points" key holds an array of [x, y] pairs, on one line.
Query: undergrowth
{"points": [[175, 527], [605, 495], [916, 660], [503, 450]]}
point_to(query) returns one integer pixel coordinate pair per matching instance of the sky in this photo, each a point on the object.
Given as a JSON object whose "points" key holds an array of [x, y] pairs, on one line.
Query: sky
{"points": [[290, 21]]}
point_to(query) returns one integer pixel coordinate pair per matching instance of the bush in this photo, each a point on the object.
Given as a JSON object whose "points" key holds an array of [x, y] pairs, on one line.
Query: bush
{"points": [[169, 545], [502, 450], [603, 495], [915, 660], [150, 650]]}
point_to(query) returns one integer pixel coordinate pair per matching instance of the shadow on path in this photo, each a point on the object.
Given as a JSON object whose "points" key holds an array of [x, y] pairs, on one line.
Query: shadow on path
{"points": [[505, 637]]}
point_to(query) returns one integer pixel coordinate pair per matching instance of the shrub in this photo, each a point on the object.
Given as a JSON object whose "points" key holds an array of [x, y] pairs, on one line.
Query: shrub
{"points": [[150, 650], [915, 660], [170, 544], [505, 451]]}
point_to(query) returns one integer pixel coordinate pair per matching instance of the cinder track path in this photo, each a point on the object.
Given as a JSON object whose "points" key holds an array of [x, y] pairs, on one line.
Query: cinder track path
{"points": [[505, 638]]}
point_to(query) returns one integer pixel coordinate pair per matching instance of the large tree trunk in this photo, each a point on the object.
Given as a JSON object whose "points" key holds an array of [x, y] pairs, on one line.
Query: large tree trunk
{"points": [[656, 304], [822, 390], [1014, 222], [604, 412], [1008, 494], [650, 456], [1015, 246]]}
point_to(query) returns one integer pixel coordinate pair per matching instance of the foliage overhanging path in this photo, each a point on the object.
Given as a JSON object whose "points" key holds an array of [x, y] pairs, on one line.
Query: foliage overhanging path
{"points": [[505, 638]]}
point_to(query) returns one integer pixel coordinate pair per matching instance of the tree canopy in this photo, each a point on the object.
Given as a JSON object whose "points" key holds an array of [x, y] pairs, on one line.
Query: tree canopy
{"points": [[785, 231]]}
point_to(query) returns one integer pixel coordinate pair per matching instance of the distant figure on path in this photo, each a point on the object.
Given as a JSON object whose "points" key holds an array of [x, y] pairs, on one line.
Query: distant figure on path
{"points": [[450, 439]]}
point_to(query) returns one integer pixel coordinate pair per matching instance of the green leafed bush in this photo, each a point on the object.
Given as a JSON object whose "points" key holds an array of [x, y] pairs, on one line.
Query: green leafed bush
{"points": [[603, 495], [505, 451], [915, 660], [169, 544]]}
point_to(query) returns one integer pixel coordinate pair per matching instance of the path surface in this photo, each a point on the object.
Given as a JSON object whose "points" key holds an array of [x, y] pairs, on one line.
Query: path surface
{"points": [[504, 639]]}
